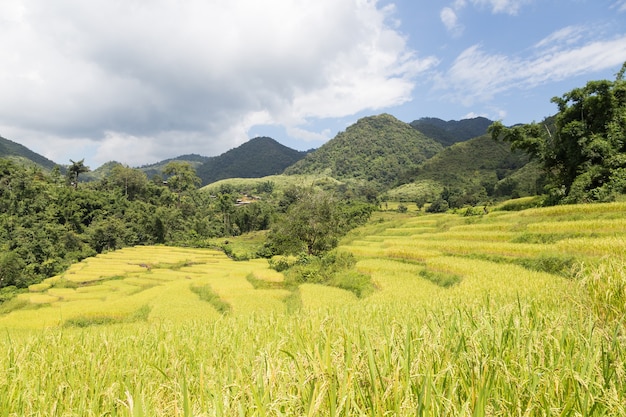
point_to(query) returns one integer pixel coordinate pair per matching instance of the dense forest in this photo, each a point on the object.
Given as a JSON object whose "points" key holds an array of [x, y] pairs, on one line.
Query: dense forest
{"points": [[49, 221]]}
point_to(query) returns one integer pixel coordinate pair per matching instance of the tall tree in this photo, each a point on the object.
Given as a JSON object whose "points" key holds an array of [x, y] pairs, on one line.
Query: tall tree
{"points": [[181, 176], [312, 224], [75, 170], [584, 153], [132, 181]]}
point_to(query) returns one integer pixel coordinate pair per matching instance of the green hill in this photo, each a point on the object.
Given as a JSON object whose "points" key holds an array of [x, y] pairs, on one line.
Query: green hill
{"points": [[452, 131], [479, 167], [379, 149], [20, 153], [259, 157], [155, 169]]}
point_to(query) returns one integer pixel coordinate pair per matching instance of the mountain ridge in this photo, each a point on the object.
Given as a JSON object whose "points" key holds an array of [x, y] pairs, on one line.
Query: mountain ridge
{"points": [[13, 150], [452, 131]]}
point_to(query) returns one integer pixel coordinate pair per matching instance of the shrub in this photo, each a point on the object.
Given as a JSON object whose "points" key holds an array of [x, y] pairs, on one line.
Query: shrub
{"points": [[11, 270], [438, 206], [281, 263], [336, 269]]}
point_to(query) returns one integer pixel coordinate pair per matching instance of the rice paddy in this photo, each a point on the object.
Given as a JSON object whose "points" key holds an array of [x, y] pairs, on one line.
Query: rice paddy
{"points": [[506, 313]]}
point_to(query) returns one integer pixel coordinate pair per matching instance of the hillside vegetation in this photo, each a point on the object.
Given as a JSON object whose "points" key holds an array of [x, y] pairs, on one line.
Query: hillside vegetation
{"points": [[259, 157], [21, 154], [379, 149], [509, 313], [452, 131], [474, 171]]}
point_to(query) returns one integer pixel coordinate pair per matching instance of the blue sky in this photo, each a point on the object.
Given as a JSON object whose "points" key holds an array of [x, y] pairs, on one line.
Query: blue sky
{"points": [[139, 81]]}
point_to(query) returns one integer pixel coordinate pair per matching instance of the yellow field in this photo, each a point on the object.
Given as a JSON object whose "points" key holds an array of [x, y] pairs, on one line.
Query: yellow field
{"points": [[508, 313], [119, 283]]}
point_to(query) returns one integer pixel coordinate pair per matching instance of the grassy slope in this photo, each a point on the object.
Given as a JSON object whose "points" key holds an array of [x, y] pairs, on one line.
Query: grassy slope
{"points": [[507, 338]]}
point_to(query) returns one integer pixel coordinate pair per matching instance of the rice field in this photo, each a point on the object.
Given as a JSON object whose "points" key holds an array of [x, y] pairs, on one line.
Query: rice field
{"points": [[507, 313]]}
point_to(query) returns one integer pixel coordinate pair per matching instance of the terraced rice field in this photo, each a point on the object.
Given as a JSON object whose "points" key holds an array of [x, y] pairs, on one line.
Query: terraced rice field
{"points": [[509, 313]]}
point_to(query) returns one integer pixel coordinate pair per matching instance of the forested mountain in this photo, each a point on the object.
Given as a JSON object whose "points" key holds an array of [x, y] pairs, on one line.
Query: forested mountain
{"points": [[452, 131], [380, 149], [476, 170], [259, 157], [20, 153], [194, 160]]}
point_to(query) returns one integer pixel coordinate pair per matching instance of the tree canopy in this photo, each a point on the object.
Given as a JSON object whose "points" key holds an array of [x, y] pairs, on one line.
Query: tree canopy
{"points": [[583, 149], [313, 222]]}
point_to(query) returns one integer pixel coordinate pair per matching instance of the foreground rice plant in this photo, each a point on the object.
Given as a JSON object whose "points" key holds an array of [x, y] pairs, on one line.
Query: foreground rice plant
{"points": [[516, 359], [504, 339]]}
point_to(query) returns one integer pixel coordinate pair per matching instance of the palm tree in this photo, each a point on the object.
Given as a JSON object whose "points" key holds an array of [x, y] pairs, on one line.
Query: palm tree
{"points": [[75, 170]]}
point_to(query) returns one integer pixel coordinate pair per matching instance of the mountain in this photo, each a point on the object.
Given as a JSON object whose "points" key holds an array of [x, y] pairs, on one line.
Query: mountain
{"points": [[155, 169], [20, 153], [259, 157], [452, 131], [479, 166], [379, 148]]}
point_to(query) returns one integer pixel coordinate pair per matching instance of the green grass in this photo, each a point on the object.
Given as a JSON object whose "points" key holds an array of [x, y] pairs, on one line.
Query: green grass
{"points": [[207, 294], [468, 318]]}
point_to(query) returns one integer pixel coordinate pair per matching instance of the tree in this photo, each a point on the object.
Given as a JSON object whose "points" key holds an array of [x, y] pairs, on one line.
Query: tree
{"points": [[75, 170], [583, 152], [312, 224], [132, 181], [181, 177], [11, 269]]}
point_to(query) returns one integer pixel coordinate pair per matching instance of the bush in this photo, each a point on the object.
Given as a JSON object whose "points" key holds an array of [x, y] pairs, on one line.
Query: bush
{"points": [[335, 269], [11, 270], [359, 284], [281, 263], [438, 206]]}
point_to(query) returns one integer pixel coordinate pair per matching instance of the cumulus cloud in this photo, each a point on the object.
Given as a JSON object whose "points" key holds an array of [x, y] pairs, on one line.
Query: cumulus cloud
{"points": [[476, 76], [141, 81]]}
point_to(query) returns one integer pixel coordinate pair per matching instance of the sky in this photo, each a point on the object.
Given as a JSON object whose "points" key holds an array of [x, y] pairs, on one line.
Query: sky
{"points": [[140, 81]]}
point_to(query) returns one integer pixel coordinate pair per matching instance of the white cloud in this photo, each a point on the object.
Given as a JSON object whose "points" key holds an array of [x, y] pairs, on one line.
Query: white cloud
{"points": [[472, 115], [569, 35], [450, 21], [511, 7], [449, 15], [620, 5], [145, 81], [477, 76], [309, 136]]}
